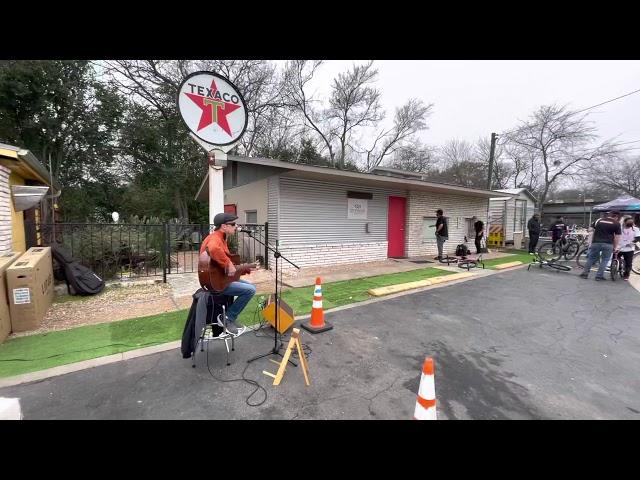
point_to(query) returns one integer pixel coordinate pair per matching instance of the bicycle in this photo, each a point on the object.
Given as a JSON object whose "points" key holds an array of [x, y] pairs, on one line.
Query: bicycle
{"points": [[581, 260], [567, 246], [617, 265], [542, 262]]}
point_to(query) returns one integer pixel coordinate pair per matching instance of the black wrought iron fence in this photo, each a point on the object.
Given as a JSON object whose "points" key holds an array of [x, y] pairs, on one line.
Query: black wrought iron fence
{"points": [[120, 250]]}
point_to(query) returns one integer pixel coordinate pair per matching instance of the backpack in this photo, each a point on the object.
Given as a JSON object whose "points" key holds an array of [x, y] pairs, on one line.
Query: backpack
{"points": [[213, 308], [80, 279], [462, 250]]}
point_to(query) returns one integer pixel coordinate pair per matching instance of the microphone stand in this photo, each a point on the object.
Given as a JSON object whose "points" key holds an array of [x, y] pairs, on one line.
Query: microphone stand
{"points": [[276, 255]]}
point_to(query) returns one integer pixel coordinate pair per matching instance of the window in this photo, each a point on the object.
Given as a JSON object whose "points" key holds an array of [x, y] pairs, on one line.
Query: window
{"points": [[471, 230], [428, 229], [250, 216]]}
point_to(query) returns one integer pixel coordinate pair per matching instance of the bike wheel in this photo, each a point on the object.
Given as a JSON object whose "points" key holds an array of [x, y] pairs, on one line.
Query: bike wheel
{"points": [[549, 251], [571, 251], [635, 263], [558, 266], [468, 264], [614, 269], [449, 260], [581, 260]]}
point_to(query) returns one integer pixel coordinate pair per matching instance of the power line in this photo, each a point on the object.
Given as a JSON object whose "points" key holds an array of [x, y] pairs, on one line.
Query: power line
{"points": [[609, 101], [585, 109]]}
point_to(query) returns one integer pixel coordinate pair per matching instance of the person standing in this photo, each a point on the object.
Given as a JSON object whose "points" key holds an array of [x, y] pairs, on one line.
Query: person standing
{"points": [[533, 225], [630, 235], [606, 237], [442, 232], [478, 226], [557, 229]]}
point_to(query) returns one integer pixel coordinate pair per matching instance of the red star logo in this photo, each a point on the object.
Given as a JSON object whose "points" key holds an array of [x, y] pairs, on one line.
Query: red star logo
{"points": [[214, 110]]}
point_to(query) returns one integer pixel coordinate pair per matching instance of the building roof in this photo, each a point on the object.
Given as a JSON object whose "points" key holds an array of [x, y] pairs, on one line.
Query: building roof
{"points": [[328, 174], [517, 192], [25, 164]]}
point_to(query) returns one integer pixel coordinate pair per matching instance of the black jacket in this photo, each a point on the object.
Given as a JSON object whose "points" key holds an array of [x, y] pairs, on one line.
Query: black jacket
{"points": [[533, 226]]}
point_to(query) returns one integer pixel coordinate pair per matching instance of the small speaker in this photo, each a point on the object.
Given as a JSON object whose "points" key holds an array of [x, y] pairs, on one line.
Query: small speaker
{"points": [[285, 314]]}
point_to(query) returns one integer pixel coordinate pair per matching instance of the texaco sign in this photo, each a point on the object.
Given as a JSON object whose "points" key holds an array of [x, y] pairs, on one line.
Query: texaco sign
{"points": [[213, 108]]}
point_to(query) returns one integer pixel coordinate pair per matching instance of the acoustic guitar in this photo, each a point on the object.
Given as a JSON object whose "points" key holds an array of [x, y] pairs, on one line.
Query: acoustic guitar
{"points": [[213, 278]]}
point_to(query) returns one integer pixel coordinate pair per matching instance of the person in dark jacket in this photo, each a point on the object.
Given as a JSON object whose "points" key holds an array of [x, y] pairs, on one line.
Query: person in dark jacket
{"points": [[533, 225], [478, 227]]}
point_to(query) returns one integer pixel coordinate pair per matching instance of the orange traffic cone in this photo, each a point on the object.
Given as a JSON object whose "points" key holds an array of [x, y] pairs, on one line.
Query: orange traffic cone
{"points": [[426, 402], [317, 323]]}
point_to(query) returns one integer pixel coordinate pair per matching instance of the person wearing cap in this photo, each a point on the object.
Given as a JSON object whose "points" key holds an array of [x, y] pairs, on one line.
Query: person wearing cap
{"points": [[606, 237], [533, 225], [215, 244]]}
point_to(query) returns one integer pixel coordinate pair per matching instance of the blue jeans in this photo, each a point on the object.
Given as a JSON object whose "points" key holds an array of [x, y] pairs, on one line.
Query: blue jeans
{"points": [[594, 255], [244, 291]]}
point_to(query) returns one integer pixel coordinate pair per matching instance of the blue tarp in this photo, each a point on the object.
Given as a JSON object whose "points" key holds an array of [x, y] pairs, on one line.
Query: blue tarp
{"points": [[625, 203]]}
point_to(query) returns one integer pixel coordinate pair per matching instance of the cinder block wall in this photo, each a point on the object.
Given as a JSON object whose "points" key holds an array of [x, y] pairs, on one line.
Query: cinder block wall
{"points": [[456, 208], [331, 254]]}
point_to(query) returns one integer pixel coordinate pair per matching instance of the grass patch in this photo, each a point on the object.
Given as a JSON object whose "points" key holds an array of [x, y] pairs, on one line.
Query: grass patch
{"points": [[39, 352], [518, 255]]}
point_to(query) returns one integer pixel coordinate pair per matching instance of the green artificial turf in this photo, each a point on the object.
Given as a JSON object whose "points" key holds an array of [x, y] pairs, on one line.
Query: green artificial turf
{"points": [[39, 352]]}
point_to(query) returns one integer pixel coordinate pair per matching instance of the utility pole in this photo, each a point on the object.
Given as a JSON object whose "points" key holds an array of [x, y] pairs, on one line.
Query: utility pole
{"points": [[488, 220], [491, 154]]}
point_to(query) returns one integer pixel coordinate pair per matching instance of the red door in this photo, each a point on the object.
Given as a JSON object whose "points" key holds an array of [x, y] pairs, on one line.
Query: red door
{"points": [[395, 226]]}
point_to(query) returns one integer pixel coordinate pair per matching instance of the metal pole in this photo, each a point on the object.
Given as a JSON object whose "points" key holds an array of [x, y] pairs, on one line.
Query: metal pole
{"points": [[216, 184]]}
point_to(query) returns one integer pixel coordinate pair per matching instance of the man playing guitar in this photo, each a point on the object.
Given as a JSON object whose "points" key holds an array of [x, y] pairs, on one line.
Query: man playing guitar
{"points": [[228, 282]]}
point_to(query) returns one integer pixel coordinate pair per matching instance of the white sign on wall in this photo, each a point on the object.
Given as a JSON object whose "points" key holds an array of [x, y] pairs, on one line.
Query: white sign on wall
{"points": [[357, 208]]}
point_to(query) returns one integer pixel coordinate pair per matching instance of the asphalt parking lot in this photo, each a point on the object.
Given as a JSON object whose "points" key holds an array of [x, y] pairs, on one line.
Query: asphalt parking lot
{"points": [[517, 345]]}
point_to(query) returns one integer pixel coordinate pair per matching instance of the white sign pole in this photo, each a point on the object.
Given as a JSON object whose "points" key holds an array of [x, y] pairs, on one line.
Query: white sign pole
{"points": [[217, 162]]}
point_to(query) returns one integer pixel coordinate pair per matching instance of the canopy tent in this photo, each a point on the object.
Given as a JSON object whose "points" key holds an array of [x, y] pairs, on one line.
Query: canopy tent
{"points": [[625, 203]]}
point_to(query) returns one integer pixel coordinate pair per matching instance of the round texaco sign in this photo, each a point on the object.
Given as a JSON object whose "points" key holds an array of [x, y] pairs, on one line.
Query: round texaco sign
{"points": [[213, 108]]}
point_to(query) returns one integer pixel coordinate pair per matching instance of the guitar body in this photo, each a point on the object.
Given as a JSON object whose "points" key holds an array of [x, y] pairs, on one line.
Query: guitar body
{"points": [[215, 279]]}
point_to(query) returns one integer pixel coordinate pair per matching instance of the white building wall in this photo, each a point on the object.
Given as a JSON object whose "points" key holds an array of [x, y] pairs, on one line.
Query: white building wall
{"points": [[249, 197], [457, 209], [5, 211]]}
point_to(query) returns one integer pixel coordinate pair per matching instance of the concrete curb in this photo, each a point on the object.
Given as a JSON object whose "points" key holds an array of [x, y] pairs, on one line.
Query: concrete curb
{"points": [[94, 362], [117, 357]]}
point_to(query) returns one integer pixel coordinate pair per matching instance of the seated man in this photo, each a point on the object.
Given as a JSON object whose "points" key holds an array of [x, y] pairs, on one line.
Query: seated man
{"points": [[216, 247]]}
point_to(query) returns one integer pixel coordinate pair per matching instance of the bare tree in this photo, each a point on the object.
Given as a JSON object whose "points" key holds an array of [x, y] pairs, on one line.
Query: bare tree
{"points": [[297, 76], [353, 103], [415, 157], [408, 120], [559, 143], [620, 174]]}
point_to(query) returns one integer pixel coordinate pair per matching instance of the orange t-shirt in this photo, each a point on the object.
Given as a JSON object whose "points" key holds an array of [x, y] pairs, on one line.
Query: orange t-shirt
{"points": [[216, 244]]}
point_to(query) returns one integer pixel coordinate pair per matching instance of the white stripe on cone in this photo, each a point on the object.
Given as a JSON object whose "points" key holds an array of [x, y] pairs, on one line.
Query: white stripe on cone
{"points": [[427, 387], [317, 304], [422, 413]]}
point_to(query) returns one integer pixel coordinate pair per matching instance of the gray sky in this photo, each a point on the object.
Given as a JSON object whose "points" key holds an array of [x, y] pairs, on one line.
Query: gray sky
{"points": [[475, 97]]}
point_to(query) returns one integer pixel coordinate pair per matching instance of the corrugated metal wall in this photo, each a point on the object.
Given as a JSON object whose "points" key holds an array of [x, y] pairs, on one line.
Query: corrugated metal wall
{"points": [[273, 207], [312, 212]]}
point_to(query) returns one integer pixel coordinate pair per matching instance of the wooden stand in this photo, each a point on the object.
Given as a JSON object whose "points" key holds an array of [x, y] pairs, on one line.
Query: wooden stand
{"points": [[294, 341]]}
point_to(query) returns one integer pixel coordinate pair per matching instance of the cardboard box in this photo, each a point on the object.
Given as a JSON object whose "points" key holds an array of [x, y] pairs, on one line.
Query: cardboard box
{"points": [[30, 285], [5, 318]]}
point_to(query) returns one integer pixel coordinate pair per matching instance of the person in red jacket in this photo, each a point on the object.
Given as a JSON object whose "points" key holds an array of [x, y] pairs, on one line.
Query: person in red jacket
{"points": [[215, 244]]}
